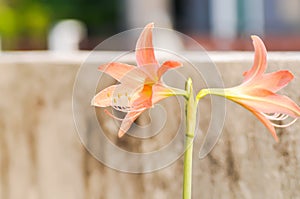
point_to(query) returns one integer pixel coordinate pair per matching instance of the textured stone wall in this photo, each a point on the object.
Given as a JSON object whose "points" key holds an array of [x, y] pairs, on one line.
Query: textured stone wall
{"points": [[41, 155]]}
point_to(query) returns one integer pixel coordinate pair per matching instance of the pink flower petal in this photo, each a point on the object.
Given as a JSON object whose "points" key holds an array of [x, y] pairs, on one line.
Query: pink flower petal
{"points": [[123, 72], [144, 50], [120, 97], [265, 121], [127, 122], [268, 102], [166, 66], [274, 81], [157, 93], [116, 70], [104, 98], [260, 60], [135, 78], [144, 99]]}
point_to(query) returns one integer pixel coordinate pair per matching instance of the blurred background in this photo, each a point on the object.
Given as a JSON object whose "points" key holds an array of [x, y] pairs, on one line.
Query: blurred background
{"points": [[216, 24]]}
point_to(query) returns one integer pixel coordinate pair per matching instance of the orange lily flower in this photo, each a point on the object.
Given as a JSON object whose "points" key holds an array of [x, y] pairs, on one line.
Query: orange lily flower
{"points": [[257, 93], [140, 87]]}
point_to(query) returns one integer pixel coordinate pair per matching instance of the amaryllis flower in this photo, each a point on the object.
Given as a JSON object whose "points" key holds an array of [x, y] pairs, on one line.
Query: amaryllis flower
{"points": [[258, 92], [140, 87]]}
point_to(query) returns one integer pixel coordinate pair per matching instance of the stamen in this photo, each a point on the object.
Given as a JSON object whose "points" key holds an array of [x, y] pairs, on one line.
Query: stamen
{"points": [[276, 116], [283, 117], [271, 117], [122, 108], [279, 117], [284, 125], [112, 115]]}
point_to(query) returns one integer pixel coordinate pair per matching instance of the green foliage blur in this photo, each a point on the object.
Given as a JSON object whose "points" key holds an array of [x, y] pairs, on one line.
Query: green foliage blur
{"points": [[24, 24]]}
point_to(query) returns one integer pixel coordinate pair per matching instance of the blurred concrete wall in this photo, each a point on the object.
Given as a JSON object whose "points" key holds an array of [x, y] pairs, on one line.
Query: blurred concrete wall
{"points": [[41, 155]]}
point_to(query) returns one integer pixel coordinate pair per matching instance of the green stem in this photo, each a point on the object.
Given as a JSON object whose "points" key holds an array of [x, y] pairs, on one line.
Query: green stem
{"points": [[191, 110]]}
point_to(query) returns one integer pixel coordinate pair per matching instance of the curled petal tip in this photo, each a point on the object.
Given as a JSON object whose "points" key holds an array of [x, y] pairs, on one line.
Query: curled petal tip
{"points": [[173, 64], [144, 49], [256, 38], [93, 101], [257, 42], [273, 133], [121, 133], [260, 60], [102, 67], [168, 65], [150, 25]]}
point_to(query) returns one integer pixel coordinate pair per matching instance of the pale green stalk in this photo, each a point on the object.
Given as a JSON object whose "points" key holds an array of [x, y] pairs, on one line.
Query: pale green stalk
{"points": [[191, 110], [191, 114]]}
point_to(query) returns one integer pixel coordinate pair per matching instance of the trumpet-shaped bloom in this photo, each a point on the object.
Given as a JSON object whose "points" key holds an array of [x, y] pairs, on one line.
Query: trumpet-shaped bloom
{"points": [[257, 93], [140, 87]]}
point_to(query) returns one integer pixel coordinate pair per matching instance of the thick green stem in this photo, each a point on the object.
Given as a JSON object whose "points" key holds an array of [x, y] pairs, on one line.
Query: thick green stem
{"points": [[191, 110]]}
